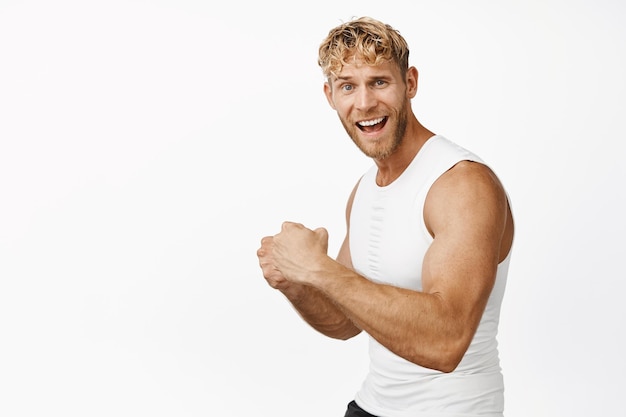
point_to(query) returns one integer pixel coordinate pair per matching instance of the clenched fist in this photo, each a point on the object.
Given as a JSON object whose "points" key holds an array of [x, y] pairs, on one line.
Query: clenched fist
{"points": [[288, 257], [298, 251], [266, 260]]}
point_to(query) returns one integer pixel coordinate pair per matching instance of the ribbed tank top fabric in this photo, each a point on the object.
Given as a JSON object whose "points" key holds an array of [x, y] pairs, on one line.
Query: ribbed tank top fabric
{"points": [[388, 241]]}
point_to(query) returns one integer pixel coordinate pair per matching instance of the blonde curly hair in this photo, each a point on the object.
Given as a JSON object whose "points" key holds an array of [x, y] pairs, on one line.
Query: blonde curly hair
{"points": [[365, 38]]}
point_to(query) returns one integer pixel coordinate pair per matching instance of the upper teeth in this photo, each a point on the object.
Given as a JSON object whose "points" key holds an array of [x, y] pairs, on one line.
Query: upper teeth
{"points": [[371, 122]]}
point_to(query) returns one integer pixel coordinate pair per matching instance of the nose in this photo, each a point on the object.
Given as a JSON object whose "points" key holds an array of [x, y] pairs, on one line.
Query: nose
{"points": [[365, 99]]}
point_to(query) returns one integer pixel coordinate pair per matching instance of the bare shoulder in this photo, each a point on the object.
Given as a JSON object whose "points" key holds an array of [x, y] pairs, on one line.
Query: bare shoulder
{"points": [[470, 201], [467, 182], [468, 177]]}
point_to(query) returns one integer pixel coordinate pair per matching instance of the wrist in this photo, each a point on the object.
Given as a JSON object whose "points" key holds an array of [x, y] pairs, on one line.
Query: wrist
{"points": [[318, 276]]}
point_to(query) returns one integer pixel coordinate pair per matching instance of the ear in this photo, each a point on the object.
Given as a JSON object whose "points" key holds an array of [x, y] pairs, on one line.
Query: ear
{"points": [[328, 92], [411, 82]]}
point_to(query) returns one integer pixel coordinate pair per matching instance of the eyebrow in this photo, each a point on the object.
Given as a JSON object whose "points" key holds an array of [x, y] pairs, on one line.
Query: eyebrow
{"points": [[344, 78], [374, 77]]}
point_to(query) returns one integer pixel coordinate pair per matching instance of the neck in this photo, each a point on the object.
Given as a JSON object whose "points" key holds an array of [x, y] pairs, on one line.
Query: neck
{"points": [[390, 168]]}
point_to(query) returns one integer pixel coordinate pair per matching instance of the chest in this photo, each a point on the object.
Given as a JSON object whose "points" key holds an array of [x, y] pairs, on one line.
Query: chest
{"points": [[388, 239]]}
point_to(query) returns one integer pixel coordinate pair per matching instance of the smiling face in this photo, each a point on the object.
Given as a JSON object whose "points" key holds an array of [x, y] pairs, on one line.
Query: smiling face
{"points": [[372, 102]]}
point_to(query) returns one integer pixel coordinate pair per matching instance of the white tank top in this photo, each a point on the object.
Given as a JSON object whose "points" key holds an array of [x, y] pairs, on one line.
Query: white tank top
{"points": [[388, 241]]}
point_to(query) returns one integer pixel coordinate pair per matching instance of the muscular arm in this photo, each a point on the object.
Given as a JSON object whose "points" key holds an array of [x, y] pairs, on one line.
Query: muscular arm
{"points": [[312, 304], [322, 313], [467, 214]]}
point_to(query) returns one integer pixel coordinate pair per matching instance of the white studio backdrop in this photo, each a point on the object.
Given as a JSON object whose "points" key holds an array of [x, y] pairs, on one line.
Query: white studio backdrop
{"points": [[147, 146]]}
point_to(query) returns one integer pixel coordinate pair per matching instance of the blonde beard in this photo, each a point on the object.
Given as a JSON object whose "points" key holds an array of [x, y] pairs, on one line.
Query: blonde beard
{"points": [[379, 151], [386, 146]]}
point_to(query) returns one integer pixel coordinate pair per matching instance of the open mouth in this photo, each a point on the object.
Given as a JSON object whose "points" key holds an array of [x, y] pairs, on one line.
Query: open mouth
{"points": [[372, 125]]}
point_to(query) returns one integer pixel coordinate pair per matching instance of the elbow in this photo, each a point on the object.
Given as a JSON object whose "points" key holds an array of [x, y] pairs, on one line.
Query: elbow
{"points": [[448, 365], [341, 331], [445, 358], [350, 335], [451, 354], [345, 334], [441, 362], [450, 350]]}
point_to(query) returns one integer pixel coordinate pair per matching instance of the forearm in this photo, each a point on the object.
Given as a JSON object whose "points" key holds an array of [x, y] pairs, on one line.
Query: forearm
{"points": [[312, 305], [320, 312], [425, 328], [414, 325]]}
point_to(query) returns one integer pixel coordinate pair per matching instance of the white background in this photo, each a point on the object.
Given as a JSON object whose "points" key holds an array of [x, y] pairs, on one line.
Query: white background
{"points": [[147, 146]]}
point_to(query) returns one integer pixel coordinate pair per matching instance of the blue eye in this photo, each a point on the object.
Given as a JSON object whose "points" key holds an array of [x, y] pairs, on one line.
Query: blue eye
{"points": [[347, 87]]}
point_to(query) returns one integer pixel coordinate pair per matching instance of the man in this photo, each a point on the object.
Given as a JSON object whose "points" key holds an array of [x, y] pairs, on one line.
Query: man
{"points": [[423, 266]]}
